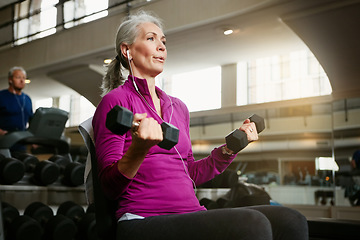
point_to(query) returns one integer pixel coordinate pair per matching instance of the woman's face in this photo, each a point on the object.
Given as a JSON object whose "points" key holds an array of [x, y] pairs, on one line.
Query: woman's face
{"points": [[148, 52]]}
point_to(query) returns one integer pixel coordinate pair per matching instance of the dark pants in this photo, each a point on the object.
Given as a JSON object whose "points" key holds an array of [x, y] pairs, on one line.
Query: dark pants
{"points": [[247, 223]]}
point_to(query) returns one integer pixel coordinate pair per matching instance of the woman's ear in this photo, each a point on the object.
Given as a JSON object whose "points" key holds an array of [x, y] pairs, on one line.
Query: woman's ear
{"points": [[124, 51]]}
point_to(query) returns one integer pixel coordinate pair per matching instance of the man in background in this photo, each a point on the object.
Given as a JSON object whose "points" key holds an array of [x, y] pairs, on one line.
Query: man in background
{"points": [[15, 106]]}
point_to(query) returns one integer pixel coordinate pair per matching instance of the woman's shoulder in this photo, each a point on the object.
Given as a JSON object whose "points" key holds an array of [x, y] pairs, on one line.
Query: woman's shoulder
{"points": [[179, 102], [180, 105], [118, 96]]}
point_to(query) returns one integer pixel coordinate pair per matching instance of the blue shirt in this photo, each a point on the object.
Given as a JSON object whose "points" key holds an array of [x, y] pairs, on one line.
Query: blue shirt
{"points": [[15, 111]]}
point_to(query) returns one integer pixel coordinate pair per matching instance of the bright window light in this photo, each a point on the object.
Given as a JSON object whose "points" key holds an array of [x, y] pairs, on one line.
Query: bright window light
{"points": [[46, 102], [48, 16], [76, 9], [326, 163], [199, 90], [281, 77], [87, 109]]}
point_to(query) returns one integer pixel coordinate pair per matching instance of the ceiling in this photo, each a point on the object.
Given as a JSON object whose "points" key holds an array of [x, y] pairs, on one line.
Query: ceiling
{"points": [[329, 28]]}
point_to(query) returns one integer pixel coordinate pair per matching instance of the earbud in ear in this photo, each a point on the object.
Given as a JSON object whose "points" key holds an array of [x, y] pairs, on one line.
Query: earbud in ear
{"points": [[128, 54]]}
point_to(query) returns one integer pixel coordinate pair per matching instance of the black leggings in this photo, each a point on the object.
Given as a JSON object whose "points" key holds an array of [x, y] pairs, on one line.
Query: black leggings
{"points": [[247, 223]]}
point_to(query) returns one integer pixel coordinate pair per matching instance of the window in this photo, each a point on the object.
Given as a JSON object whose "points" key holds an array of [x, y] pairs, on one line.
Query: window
{"points": [[326, 163], [295, 75], [83, 11], [199, 90], [45, 102], [38, 18], [34, 19], [21, 27]]}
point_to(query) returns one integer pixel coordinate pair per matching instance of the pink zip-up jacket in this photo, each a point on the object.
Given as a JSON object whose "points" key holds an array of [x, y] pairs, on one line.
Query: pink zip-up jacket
{"points": [[162, 184]]}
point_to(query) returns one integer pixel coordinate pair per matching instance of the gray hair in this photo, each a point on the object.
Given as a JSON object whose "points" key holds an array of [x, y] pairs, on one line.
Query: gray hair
{"points": [[127, 33], [13, 69]]}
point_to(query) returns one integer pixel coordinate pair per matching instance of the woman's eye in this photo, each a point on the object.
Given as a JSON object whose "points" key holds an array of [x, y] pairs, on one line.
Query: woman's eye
{"points": [[151, 38], [164, 42]]}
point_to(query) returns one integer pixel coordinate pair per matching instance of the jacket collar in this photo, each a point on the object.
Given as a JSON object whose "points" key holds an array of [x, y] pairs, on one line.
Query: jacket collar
{"points": [[142, 86]]}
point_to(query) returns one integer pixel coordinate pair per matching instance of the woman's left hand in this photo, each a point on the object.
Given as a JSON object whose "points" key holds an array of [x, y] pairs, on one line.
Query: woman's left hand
{"points": [[250, 129]]}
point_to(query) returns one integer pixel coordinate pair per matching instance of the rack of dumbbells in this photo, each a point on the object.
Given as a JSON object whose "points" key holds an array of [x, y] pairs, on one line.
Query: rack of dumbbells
{"points": [[40, 221], [42, 194], [33, 189]]}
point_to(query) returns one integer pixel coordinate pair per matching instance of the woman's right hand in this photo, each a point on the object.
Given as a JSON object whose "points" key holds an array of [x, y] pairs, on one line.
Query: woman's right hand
{"points": [[144, 136], [148, 133]]}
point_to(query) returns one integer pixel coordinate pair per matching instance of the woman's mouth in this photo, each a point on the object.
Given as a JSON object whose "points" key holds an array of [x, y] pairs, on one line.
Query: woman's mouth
{"points": [[160, 59]]}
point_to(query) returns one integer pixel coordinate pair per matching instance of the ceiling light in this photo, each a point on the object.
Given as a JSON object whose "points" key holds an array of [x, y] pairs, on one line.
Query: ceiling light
{"points": [[27, 81], [228, 32], [107, 60]]}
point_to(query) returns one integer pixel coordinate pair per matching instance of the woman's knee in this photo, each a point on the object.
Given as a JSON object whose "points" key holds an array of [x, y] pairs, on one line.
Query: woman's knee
{"points": [[250, 224], [291, 216], [286, 222], [295, 222]]}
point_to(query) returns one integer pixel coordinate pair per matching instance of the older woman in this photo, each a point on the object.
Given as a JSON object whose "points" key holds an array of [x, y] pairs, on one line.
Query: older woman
{"points": [[154, 187]]}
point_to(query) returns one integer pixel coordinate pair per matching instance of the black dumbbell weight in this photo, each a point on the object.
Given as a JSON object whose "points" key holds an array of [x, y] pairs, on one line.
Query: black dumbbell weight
{"points": [[119, 120], [237, 139], [18, 227], [208, 203], [85, 221], [227, 179], [72, 173], [91, 208], [222, 202], [11, 170], [56, 227], [43, 172]]}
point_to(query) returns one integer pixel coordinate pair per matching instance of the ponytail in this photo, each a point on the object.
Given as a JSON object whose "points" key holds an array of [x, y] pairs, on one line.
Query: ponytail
{"points": [[113, 77]]}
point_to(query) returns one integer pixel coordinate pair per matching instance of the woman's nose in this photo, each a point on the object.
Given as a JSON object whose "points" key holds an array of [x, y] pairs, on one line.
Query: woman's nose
{"points": [[161, 46]]}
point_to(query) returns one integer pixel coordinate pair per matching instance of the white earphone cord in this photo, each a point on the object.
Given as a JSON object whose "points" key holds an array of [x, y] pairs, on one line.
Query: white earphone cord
{"points": [[22, 109], [172, 111]]}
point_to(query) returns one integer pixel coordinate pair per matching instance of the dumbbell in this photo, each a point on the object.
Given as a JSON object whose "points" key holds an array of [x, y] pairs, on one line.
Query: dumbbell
{"points": [[119, 120], [43, 172], [18, 227], [56, 227], [208, 203], [11, 170], [222, 202], [91, 208], [85, 221], [72, 172], [227, 179], [237, 139]]}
